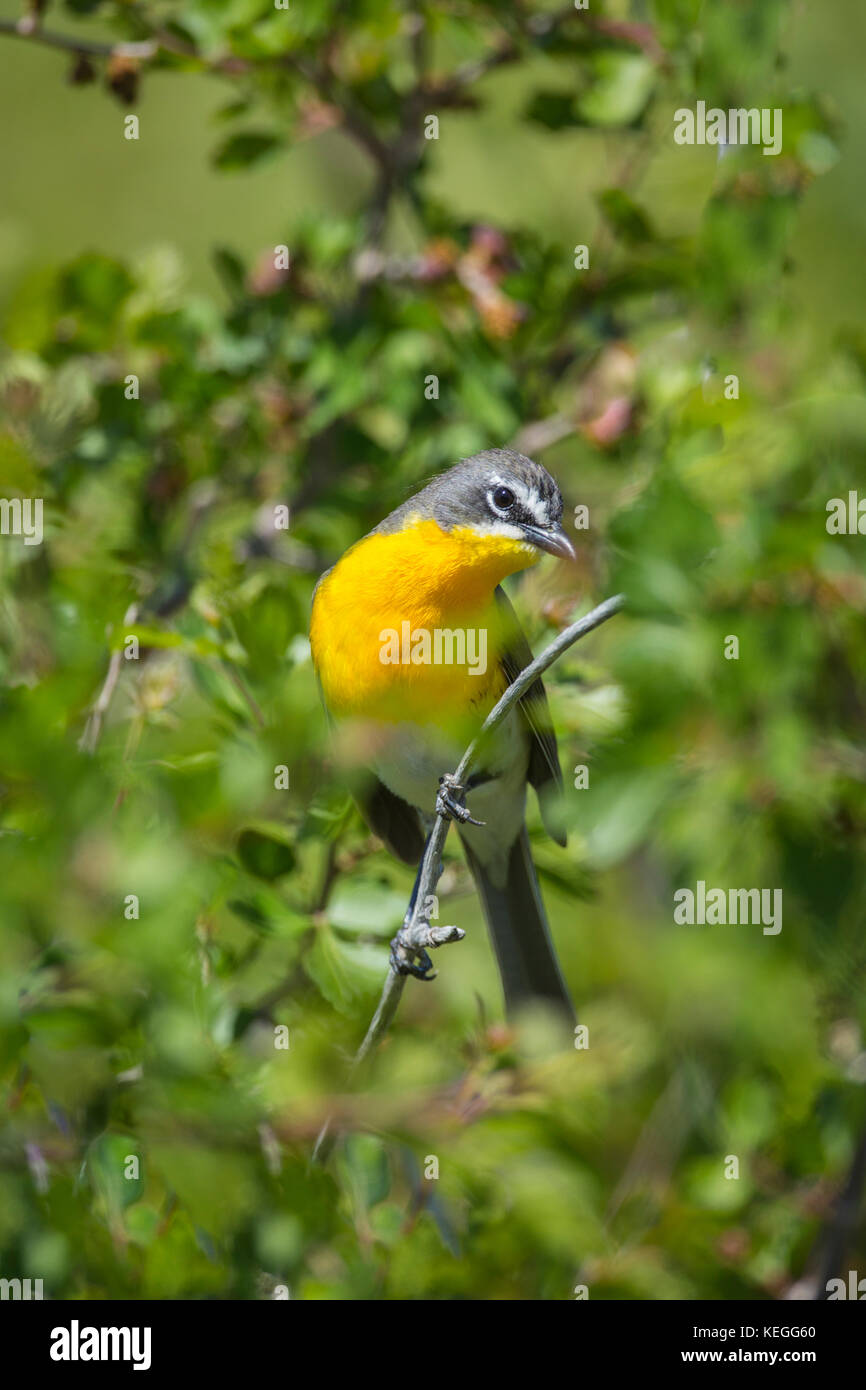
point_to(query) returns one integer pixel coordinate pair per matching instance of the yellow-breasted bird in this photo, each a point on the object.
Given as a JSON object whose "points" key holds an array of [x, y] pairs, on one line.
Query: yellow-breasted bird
{"points": [[390, 624]]}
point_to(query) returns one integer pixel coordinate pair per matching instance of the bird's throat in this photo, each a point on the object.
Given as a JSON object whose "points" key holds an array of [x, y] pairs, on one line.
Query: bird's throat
{"points": [[438, 582]]}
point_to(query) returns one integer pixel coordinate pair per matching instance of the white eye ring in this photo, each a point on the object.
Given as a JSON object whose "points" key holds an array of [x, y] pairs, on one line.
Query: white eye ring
{"points": [[502, 505]]}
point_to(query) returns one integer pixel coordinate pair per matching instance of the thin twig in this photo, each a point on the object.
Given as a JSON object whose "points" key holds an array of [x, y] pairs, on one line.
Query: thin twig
{"points": [[93, 728], [539, 28], [69, 44], [245, 693], [836, 1236], [354, 121], [417, 934]]}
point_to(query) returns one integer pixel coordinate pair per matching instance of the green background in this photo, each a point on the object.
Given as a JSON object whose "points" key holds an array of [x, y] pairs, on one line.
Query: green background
{"points": [[154, 1037]]}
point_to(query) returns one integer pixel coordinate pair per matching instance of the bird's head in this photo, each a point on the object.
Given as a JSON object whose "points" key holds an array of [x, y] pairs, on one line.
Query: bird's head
{"points": [[500, 493]]}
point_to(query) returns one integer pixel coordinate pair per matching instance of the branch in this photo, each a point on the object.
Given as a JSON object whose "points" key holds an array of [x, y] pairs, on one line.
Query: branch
{"points": [[21, 29], [417, 935], [245, 693], [354, 120], [538, 28], [93, 728], [539, 435], [835, 1238]]}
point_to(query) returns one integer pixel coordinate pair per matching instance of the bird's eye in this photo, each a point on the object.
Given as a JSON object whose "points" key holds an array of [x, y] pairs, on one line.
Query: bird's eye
{"points": [[503, 498]]}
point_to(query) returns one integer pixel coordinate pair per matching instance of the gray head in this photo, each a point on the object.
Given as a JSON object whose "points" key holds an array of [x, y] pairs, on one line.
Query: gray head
{"points": [[498, 491]]}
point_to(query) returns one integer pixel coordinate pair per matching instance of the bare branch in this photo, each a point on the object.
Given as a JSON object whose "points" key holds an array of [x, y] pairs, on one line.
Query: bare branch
{"points": [[68, 44], [93, 728], [245, 693], [354, 121], [537, 28], [836, 1235]]}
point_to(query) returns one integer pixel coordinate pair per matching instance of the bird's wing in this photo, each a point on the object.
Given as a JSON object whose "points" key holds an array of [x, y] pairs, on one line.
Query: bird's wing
{"points": [[393, 820], [388, 815], [544, 772]]}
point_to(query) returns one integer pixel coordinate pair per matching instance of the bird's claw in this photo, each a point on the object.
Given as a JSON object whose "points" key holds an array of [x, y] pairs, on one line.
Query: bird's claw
{"points": [[405, 947], [449, 802], [402, 962]]}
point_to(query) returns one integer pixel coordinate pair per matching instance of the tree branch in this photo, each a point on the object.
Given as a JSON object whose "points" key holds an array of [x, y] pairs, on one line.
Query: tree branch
{"points": [[417, 935], [321, 80], [68, 44], [537, 28], [93, 728], [835, 1238]]}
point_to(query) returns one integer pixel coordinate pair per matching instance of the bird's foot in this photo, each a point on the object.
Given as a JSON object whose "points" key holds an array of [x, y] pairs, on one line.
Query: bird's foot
{"points": [[449, 801], [402, 957], [406, 945]]}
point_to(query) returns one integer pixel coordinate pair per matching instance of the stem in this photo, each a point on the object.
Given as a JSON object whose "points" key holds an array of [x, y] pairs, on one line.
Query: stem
{"points": [[93, 728], [68, 44]]}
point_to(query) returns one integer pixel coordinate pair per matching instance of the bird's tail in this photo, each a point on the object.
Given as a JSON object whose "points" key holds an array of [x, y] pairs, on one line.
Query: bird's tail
{"points": [[520, 933]]}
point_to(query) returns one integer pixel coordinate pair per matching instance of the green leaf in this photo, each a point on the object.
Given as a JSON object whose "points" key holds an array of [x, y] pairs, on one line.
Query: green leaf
{"points": [[327, 815], [230, 269], [251, 913], [364, 1162], [621, 90], [707, 1185], [342, 971], [629, 221], [366, 905], [232, 110], [245, 148], [266, 851], [96, 286], [109, 1159], [554, 110]]}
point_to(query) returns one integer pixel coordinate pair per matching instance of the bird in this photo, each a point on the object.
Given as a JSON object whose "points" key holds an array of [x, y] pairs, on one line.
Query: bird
{"points": [[426, 583]]}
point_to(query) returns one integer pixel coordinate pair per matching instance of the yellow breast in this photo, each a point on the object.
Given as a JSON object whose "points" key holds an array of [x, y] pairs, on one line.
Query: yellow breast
{"points": [[371, 612]]}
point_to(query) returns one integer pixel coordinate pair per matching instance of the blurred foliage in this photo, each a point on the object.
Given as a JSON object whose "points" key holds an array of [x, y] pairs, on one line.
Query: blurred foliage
{"points": [[168, 906]]}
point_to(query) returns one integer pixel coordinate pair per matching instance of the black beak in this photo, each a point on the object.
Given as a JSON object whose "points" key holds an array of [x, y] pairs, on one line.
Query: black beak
{"points": [[552, 539]]}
